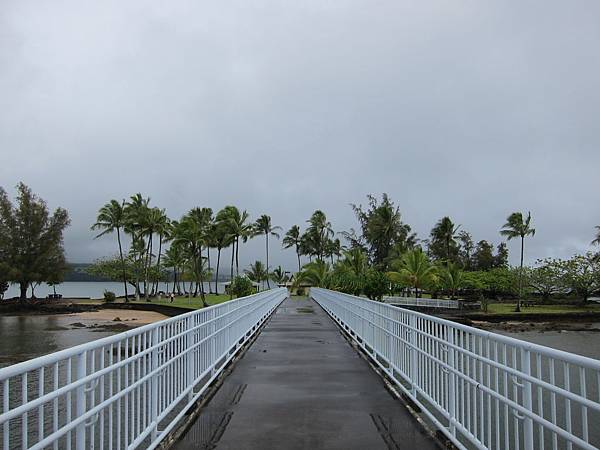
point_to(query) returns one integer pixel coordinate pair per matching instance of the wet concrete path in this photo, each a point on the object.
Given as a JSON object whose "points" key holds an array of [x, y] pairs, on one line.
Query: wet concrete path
{"points": [[302, 386]]}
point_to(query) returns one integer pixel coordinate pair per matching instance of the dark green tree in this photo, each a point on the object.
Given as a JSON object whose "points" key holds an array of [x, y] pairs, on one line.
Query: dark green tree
{"points": [[382, 230], [31, 240]]}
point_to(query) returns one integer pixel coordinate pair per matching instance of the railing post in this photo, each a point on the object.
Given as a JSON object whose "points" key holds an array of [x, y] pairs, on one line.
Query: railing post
{"points": [[189, 354], [451, 380], [414, 368], [154, 384], [527, 399], [80, 401]]}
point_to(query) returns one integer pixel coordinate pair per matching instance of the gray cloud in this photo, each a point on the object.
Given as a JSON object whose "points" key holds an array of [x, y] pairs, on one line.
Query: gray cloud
{"points": [[467, 109]]}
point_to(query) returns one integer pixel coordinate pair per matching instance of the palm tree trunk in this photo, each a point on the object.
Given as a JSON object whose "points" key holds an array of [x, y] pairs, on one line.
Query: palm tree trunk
{"points": [[210, 289], [298, 255], [231, 275], [237, 256], [521, 275], [217, 273], [122, 263], [267, 246], [158, 263], [146, 265]]}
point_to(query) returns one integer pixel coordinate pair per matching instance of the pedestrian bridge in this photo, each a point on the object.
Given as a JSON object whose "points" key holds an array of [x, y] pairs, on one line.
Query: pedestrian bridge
{"points": [[301, 385]]}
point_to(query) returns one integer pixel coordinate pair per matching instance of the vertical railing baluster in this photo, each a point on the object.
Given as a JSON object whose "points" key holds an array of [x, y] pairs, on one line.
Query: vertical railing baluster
{"points": [[80, 400]]}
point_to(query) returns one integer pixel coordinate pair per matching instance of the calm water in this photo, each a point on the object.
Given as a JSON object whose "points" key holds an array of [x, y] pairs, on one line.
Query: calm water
{"points": [[89, 289], [26, 337], [585, 343]]}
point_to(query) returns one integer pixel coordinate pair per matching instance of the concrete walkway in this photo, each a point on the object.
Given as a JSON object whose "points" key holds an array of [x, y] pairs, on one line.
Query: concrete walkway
{"points": [[302, 386]]}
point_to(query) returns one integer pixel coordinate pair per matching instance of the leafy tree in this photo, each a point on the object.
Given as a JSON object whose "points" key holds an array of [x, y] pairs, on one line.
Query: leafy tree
{"points": [[111, 218], [257, 272], [292, 239], [582, 274], [547, 278], [31, 240], [354, 261], [382, 230], [442, 245], [264, 226], [518, 227], [414, 269], [241, 287], [376, 285]]}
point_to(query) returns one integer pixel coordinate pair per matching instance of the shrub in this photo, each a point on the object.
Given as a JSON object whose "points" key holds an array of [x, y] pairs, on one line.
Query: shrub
{"points": [[376, 285], [109, 296], [300, 291], [241, 287]]}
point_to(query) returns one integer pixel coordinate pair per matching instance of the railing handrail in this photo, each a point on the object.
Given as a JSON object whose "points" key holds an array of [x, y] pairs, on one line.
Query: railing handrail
{"points": [[51, 358], [565, 356], [433, 302], [480, 388], [158, 370]]}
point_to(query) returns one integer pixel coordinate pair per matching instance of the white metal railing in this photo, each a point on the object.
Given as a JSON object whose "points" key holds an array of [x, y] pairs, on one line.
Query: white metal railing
{"points": [[423, 302], [482, 389], [128, 390]]}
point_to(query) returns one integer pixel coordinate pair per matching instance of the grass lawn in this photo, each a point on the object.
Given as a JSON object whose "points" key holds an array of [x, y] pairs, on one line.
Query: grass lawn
{"points": [[185, 302], [509, 308]]}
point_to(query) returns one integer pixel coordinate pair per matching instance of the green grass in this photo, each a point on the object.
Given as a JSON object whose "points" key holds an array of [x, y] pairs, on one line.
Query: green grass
{"points": [[185, 302], [509, 308]]}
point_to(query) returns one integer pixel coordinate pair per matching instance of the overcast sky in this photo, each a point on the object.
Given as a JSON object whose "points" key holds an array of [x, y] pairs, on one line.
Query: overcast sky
{"points": [[471, 109]]}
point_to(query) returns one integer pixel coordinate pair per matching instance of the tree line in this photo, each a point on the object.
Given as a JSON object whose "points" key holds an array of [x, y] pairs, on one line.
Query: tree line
{"points": [[382, 255]]}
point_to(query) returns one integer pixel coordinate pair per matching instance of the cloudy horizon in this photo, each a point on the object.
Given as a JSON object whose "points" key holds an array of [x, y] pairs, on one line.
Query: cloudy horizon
{"points": [[467, 109]]}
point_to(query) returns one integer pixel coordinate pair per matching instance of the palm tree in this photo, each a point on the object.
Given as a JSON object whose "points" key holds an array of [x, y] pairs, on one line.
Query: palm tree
{"points": [[320, 232], [190, 234], [175, 258], [596, 241], [414, 269], [355, 261], [292, 239], [446, 231], [514, 227], [264, 226], [315, 273], [452, 278], [278, 275], [257, 272], [135, 220], [237, 226], [112, 218]]}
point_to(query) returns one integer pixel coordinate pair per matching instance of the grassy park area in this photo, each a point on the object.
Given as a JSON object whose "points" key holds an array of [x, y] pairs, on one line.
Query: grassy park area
{"points": [[509, 308], [187, 302]]}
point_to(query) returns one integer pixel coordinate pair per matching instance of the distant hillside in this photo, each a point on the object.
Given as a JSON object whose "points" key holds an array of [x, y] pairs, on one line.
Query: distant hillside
{"points": [[77, 272]]}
